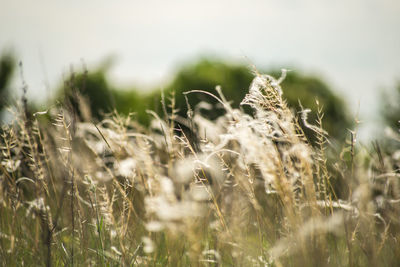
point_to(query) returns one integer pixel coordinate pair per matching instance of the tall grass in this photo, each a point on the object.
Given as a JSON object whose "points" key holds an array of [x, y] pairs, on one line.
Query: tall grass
{"points": [[237, 191]]}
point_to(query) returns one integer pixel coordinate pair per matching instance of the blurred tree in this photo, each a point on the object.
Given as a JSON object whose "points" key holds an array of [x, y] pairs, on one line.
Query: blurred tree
{"points": [[390, 114], [235, 80], [88, 94], [204, 75], [131, 101], [7, 66], [390, 107]]}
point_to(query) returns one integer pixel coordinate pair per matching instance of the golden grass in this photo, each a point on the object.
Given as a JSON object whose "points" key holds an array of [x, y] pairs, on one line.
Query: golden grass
{"points": [[237, 191]]}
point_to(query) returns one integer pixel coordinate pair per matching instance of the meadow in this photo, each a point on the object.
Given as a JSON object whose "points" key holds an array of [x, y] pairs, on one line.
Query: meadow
{"points": [[238, 190]]}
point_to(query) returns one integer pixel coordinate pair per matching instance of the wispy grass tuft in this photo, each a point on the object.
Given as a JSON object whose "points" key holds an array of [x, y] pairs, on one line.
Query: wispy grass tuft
{"points": [[236, 191]]}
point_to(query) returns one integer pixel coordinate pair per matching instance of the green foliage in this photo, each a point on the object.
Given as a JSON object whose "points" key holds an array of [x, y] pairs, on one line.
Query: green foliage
{"points": [[128, 102], [7, 66], [390, 108], [390, 115], [92, 92], [88, 89], [205, 75], [235, 80]]}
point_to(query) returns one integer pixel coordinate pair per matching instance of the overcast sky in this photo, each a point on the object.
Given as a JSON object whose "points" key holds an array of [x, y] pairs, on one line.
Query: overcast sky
{"points": [[354, 45]]}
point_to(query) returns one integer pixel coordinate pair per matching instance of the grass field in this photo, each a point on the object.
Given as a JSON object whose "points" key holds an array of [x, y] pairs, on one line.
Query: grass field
{"points": [[237, 191]]}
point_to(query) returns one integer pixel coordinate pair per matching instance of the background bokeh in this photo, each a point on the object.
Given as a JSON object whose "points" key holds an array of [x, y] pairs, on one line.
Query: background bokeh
{"points": [[351, 45]]}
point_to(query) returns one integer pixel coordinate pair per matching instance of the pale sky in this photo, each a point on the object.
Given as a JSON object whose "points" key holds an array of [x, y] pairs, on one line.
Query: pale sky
{"points": [[354, 45]]}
